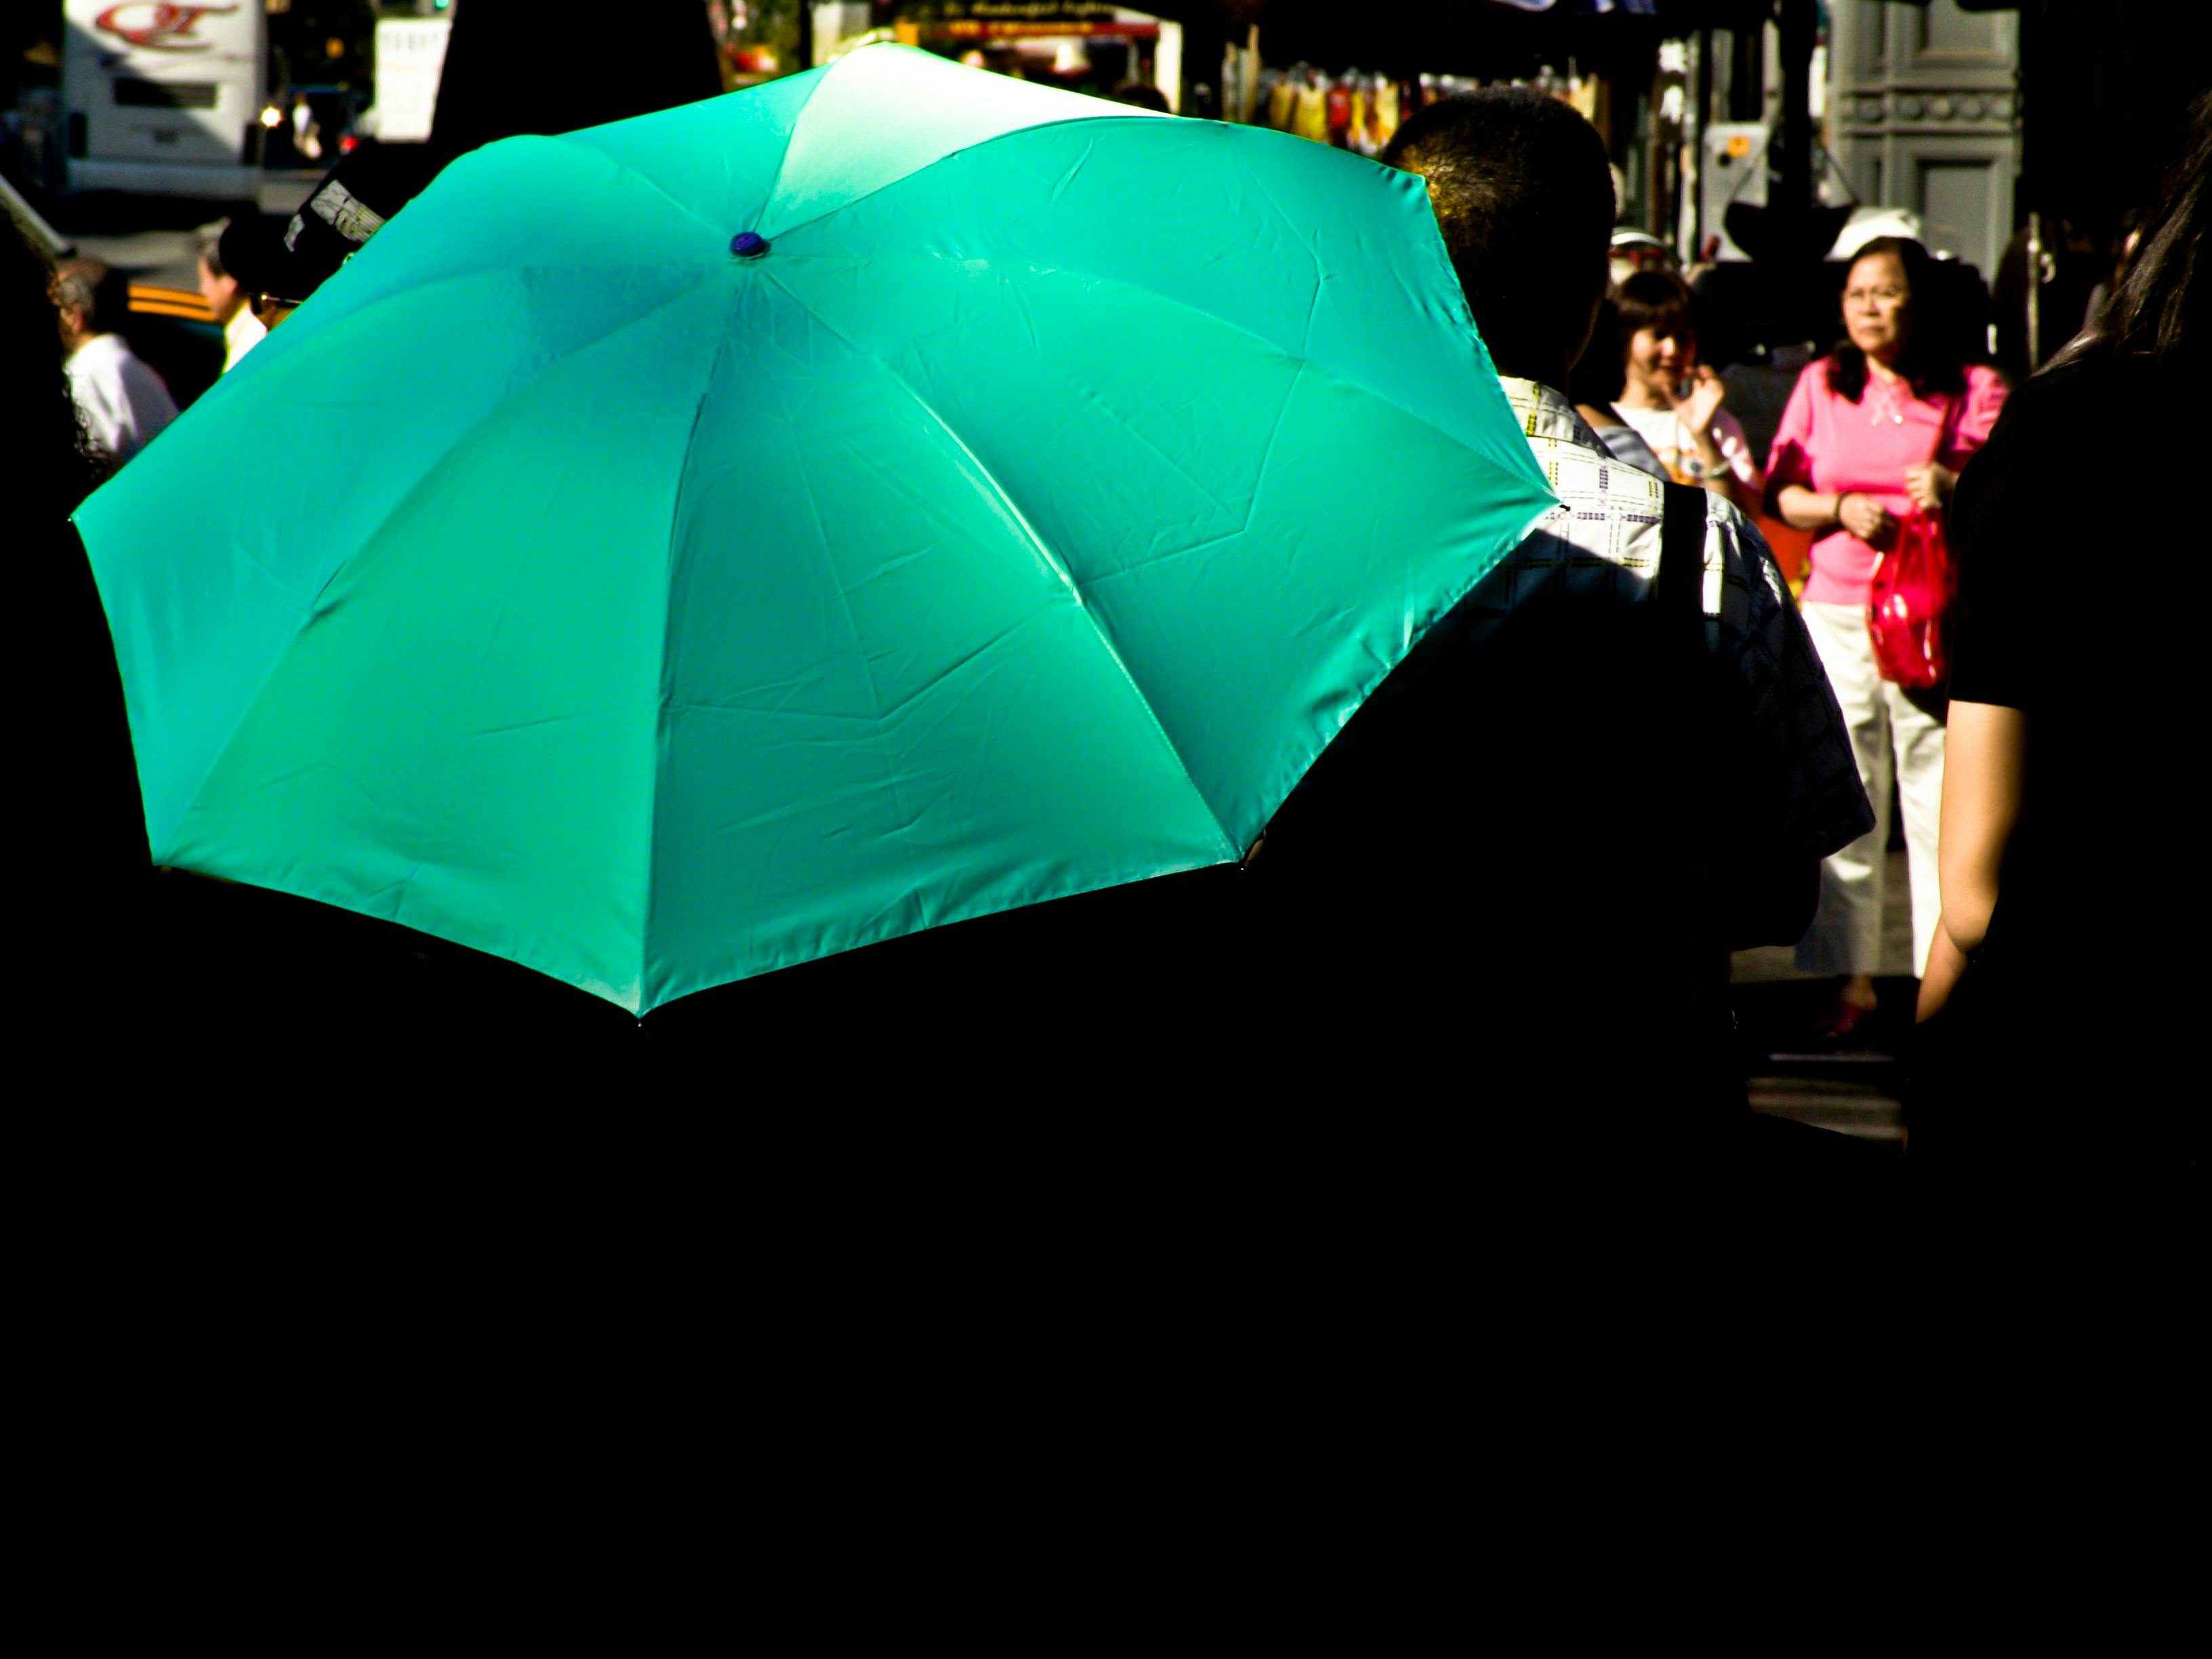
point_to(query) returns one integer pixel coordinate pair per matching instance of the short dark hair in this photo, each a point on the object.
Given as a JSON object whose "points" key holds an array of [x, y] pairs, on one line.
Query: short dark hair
{"points": [[1656, 299], [210, 247], [96, 289], [1522, 190]]}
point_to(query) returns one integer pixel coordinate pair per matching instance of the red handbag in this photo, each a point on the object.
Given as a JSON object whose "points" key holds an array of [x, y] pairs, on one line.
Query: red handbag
{"points": [[1909, 611], [1909, 608]]}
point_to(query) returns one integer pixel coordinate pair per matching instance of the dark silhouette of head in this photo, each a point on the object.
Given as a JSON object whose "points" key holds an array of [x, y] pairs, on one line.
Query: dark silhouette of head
{"points": [[1141, 94], [2163, 309], [1600, 374], [1524, 194]]}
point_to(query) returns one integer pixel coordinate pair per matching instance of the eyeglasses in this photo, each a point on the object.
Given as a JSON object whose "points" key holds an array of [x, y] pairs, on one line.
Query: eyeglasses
{"points": [[1880, 296]]}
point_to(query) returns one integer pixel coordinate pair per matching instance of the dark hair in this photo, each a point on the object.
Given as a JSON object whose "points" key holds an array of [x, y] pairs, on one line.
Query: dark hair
{"points": [[210, 247], [99, 290], [1928, 363], [2160, 309], [1600, 374], [1523, 191], [1656, 299], [1141, 94]]}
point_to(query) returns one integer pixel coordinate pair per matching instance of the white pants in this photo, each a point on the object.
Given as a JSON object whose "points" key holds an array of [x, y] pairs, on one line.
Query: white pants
{"points": [[1888, 734]]}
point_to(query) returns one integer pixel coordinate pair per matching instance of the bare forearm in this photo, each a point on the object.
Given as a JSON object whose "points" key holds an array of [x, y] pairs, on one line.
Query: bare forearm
{"points": [[1808, 510], [1984, 764], [1947, 963]]}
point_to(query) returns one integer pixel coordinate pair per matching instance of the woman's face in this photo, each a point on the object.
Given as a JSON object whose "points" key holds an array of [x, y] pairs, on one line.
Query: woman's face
{"points": [[1878, 307], [1658, 360]]}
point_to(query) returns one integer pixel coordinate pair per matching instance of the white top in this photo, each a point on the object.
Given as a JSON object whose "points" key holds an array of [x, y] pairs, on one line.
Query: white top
{"points": [[1662, 430], [1627, 444], [241, 335], [124, 402]]}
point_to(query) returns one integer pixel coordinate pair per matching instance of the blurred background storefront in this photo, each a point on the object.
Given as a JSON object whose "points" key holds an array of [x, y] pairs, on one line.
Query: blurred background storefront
{"points": [[2014, 137]]}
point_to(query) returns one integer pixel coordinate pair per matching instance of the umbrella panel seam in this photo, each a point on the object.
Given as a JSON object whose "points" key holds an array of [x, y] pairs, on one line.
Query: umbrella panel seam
{"points": [[1524, 465], [313, 606], [775, 183], [1525, 472], [1058, 566], [874, 190], [664, 699], [487, 417], [646, 179]]}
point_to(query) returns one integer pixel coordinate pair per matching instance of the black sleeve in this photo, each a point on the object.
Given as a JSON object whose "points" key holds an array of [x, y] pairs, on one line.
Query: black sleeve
{"points": [[2010, 526]]}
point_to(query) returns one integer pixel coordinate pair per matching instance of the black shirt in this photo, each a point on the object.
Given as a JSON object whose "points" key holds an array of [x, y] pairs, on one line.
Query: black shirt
{"points": [[2081, 542]]}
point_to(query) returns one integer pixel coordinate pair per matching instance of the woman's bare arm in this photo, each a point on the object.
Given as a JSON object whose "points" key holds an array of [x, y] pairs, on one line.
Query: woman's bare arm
{"points": [[1748, 496], [1817, 509], [1805, 509], [1984, 756]]}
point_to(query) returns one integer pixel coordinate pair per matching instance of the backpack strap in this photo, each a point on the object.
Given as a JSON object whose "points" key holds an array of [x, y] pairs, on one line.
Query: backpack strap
{"points": [[1678, 598], [1679, 589]]}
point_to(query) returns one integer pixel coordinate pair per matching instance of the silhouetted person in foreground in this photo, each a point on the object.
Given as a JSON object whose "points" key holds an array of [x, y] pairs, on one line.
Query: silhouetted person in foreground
{"points": [[79, 841], [2068, 964], [1517, 876]]}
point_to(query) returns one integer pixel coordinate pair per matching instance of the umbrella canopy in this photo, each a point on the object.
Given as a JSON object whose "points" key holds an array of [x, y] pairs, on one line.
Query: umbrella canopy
{"points": [[889, 496]]}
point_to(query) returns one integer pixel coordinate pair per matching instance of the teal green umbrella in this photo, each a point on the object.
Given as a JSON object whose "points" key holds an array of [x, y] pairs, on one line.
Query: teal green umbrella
{"points": [[889, 496]]}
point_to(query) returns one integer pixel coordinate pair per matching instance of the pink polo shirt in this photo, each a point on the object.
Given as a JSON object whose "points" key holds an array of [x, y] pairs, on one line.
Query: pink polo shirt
{"points": [[1826, 443]]}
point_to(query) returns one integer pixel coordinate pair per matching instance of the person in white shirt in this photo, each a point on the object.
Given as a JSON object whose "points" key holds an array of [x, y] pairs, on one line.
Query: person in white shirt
{"points": [[241, 329], [124, 403], [1672, 400]]}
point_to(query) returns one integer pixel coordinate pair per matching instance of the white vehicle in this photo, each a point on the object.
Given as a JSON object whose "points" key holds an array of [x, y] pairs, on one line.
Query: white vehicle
{"points": [[165, 99]]}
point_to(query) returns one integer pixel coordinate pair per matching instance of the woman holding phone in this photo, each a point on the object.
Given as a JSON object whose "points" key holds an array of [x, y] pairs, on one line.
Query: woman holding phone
{"points": [[1672, 400]]}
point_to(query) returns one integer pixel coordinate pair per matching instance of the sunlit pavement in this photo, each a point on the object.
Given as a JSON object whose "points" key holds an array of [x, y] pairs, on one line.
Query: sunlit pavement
{"points": [[1853, 1087]]}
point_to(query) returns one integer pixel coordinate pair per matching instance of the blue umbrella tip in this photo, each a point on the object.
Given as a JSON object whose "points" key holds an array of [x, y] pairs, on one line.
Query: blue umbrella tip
{"points": [[747, 245]]}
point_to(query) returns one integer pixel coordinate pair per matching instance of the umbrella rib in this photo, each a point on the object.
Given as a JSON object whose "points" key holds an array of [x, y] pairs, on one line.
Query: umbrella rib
{"points": [[308, 610], [652, 184], [949, 155], [774, 183], [491, 414], [665, 689], [1521, 465], [1051, 559]]}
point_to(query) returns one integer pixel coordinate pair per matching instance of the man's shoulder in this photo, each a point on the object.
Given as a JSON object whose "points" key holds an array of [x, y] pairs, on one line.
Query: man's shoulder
{"points": [[1727, 526], [1737, 553], [103, 357]]}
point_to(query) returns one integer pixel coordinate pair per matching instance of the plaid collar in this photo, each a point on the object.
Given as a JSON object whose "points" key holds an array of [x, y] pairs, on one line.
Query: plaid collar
{"points": [[1543, 413]]}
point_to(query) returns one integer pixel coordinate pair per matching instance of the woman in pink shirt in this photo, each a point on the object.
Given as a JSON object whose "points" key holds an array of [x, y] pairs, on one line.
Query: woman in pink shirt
{"points": [[1878, 428]]}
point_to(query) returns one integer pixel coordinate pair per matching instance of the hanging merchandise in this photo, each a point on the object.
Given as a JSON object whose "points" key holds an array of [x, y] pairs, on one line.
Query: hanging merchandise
{"points": [[1281, 97], [1310, 117], [1339, 112], [1382, 115]]}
